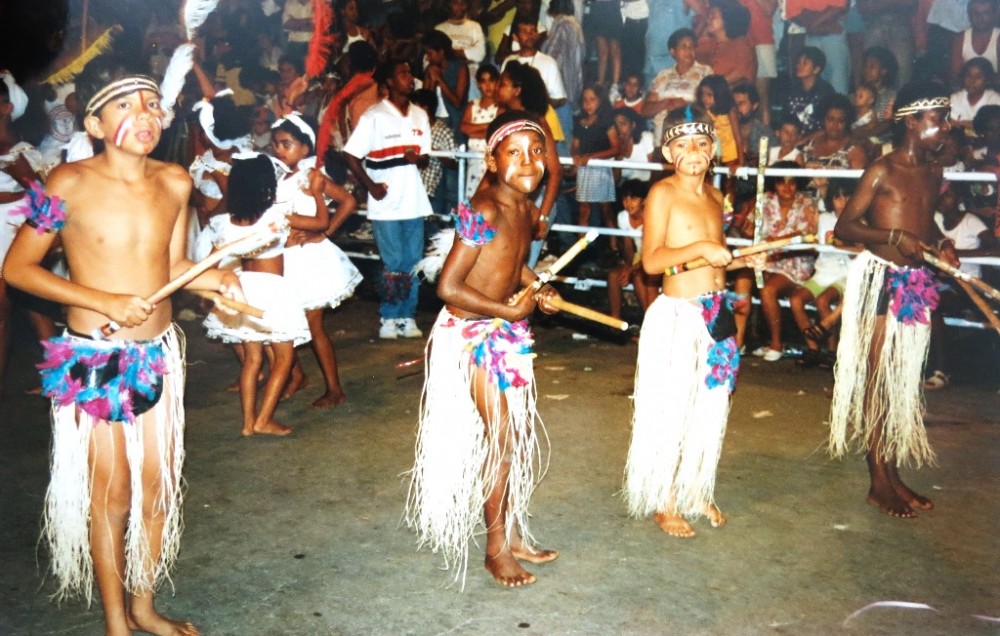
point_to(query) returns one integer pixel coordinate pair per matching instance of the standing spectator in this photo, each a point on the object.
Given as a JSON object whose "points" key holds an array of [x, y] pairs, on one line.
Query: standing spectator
{"points": [[674, 87], [565, 44], [394, 138], [723, 44], [526, 33], [467, 38], [297, 22], [715, 97], [635, 20], [351, 30], [807, 89], [981, 39], [479, 112], [443, 199], [525, 11], [635, 143], [604, 23], [446, 75], [761, 36], [946, 21], [594, 137], [887, 23]]}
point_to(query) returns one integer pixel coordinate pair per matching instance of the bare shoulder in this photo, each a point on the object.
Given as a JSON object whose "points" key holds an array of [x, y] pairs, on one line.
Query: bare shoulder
{"points": [[172, 176], [483, 203], [65, 178], [714, 194]]}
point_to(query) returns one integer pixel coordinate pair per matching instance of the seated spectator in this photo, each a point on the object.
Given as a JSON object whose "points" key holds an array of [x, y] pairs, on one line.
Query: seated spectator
{"points": [[833, 146], [631, 94], [674, 87], [879, 70], [977, 75], [981, 39], [789, 134], [723, 44], [826, 286], [635, 143], [752, 129], [807, 90], [714, 96], [633, 195], [788, 211]]}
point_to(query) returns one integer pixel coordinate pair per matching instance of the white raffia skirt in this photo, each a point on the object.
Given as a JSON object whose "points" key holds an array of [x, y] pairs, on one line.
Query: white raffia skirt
{"points": [[66, 523], [455, 458], [678, 422], [890, 392]]}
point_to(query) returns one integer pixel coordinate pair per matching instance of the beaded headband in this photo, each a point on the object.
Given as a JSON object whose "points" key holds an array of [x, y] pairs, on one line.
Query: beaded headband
{"points": [[119, 88], [296, 120], [509, 129], [921, 105], [686, 129]]}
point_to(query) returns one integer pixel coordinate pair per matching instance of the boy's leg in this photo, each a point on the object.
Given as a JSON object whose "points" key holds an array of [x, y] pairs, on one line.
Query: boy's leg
{"points": [[502, 554], [141, 609], [110, 502], [297, 379], [322, 346]]}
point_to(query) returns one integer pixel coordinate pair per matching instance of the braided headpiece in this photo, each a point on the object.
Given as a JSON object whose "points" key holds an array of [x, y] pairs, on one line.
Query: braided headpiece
{"points": [[686, 129], [509, 129], [921, 105], [118, 88]]}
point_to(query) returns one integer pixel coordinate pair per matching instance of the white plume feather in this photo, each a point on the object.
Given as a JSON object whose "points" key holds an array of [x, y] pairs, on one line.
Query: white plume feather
{"points": [[195, 13], [431, 265], [173, 80]]}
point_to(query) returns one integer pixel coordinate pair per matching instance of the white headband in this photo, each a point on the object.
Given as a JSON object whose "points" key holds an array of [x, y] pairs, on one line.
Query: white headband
{"points": [[296, 120], [16, 95], [280, 169], [921, 105], [206, 117], [116, 89]]}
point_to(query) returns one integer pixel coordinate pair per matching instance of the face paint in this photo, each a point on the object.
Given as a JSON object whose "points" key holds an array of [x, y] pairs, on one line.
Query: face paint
{"points": [[930, 132], [123, 128]]}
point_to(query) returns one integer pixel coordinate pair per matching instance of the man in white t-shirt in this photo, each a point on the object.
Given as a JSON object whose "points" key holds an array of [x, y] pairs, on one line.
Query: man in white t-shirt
{"points": [[297, 23], [467, 38], [393, 137], [526, 34]]}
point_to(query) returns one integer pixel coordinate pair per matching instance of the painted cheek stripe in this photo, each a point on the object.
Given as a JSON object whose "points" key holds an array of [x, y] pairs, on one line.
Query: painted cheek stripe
{"points": [[123, 128]]}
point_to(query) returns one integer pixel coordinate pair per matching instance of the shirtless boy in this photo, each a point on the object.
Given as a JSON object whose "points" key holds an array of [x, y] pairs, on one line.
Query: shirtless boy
{"points": [[118, 403], [878, 391], [477, 446], [688, 357]]}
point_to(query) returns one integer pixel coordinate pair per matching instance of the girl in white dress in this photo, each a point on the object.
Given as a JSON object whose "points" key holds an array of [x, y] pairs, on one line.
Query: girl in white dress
{"points": [[251, 208], [320, 272], [478, 115]]}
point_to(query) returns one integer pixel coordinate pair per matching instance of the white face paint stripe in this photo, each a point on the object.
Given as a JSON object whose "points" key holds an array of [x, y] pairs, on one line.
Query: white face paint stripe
{"points": [[930, 132], [123, 129]]}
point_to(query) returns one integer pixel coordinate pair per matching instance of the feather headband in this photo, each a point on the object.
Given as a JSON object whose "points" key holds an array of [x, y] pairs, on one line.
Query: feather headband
{"points": [[921, 105], [509, 129], [686, 129], [296, 120], [119, 88]]}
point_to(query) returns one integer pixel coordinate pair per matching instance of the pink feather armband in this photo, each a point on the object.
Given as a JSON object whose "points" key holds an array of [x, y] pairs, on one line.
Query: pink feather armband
{"points": [[45, 213]]}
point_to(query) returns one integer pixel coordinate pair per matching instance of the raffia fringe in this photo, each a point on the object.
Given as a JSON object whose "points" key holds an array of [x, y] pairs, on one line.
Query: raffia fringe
{"points": [[678, 423], [455, 459], [66, 523], [892, 392]]}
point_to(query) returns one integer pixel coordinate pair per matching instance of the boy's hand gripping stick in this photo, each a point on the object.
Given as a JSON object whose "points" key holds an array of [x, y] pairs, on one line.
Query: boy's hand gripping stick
{"points": [[586, 312], [246, 244], [554, 268], [768, 246]]}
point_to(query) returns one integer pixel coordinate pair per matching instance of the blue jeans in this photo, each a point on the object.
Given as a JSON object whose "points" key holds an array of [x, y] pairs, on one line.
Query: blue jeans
{"points": [[400, 245]]}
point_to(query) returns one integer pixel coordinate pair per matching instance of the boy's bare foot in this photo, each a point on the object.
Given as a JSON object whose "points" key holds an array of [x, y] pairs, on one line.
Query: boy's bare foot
{"points": [[329, 400], [913, 499], [272, 428], [715, 516], [160, 625], [534, 556], [507, 571], [891, 503], [294, 385], [674, 525]]}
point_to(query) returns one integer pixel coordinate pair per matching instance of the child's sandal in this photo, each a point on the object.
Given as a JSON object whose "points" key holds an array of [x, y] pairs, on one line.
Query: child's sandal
{"points": [[816, 332]]}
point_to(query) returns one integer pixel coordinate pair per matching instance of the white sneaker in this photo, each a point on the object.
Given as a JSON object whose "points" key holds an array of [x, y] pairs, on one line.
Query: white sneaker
{"points": [[407, 328], [388, 330], [771, 355]]}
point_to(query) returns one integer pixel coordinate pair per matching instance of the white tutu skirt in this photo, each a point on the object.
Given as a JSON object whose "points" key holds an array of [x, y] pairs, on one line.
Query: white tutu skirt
{"points": [[283, 321], [321, 274], [201, 241]]}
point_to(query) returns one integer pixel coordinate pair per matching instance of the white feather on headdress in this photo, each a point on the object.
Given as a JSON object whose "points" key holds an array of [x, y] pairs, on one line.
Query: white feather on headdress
{"points": [[430, 266], [194, 14], [173, 80]]}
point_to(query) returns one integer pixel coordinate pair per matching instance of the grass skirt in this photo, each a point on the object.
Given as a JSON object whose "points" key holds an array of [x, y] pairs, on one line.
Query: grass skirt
{"points": [[66, 523], [678, 421], [455, 458], [892, 392]]}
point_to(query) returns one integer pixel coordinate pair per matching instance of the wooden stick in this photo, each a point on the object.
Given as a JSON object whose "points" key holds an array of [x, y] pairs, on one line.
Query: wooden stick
{"points": [[235, 305], [586, 312], [978, 301], [768, 246], [245, 244], [560, 263], [758, 210], [960, 275]]}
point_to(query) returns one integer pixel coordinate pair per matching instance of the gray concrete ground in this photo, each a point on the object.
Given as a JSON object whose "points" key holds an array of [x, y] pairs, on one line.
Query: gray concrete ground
{"points": [[302, 535]]}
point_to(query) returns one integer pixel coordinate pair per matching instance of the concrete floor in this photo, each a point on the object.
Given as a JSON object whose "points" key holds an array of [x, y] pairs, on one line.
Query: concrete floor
{"points": [[302, 535]]}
